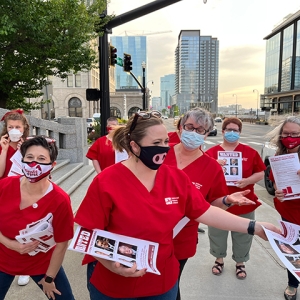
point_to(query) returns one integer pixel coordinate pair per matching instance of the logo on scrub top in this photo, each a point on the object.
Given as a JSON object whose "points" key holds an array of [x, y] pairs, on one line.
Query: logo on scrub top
{"points": [[171, 200]]}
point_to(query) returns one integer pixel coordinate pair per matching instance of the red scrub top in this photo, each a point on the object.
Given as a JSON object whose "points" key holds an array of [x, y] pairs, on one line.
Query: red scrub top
{"points": [[207, 176], [289, 209], [13, 219], [102, 151], [118, 202], [10, 152], [173, 137], [251, 163]]}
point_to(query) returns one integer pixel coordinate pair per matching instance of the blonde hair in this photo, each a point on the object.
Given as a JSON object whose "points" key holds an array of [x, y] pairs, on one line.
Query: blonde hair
{"points": [[16, 115]]}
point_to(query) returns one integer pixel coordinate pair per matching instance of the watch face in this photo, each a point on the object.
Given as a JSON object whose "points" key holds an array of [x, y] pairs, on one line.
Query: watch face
{"points": [[48, 279]]}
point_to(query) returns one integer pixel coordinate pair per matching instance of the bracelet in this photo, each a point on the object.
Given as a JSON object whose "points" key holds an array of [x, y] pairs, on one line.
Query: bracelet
{"points": [[251, 227], [224, 201]]}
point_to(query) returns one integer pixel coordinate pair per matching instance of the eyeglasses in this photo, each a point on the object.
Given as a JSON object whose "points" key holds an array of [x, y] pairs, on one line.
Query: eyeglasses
{"points": [[143, 115], [190, 127], [231, 129], [292, 134], [48, 139]]}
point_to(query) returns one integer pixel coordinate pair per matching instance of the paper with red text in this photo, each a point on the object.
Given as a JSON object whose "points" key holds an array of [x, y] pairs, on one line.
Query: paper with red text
{"points": [[287, 246], [232, 167], [115, 247], [284, 168], [41, 231]]}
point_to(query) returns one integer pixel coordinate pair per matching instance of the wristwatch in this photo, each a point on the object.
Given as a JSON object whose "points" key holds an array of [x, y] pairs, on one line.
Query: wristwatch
{"points": [[48, 279]]}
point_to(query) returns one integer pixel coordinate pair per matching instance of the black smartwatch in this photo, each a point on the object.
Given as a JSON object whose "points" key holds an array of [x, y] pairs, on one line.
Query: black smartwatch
{"points": [[224, 201], [251, 227], [48, 279]]}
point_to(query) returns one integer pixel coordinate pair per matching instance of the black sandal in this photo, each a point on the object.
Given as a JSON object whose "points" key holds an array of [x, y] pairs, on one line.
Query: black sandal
{"points": [[241, 271], [219, 267]]}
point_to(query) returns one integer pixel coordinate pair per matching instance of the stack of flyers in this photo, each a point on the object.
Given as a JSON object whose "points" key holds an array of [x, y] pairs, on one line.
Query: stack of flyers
{"points": [[41, 231], [16, 167]]}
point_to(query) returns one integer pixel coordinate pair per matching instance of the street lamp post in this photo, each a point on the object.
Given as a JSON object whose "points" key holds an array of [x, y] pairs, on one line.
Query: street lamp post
{"points": [[144, 85], [236, 105], [257, 93]]}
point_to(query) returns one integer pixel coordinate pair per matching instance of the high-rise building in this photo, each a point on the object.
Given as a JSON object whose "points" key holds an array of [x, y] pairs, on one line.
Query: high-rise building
{"points": [[197, 71], [167, 89], [282, 69], [136, 46]]}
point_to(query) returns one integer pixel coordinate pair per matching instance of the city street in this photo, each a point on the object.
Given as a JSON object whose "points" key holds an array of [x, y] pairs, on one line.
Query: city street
{"points": [[266, 278]]}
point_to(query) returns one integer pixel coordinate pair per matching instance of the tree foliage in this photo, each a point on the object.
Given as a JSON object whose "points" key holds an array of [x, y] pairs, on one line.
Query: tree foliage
{"points": [[39, 38]]}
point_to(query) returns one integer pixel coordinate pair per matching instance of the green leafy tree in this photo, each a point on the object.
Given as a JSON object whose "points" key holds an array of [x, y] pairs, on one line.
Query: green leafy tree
{"points": [[39, 38]]}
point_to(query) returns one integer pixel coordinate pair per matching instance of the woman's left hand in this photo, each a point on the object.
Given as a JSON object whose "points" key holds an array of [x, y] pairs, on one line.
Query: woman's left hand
{"points": [[239, 198], [49, 289], [20, 142], [242, 183]]}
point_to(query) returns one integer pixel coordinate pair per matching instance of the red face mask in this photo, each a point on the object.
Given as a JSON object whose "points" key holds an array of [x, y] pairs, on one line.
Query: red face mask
{"points": [[290, 142], [108, 128]]}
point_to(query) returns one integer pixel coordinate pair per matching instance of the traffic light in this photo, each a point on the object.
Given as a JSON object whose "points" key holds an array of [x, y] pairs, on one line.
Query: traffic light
{"points": [[113, 55], [127, 63], [92, 94]]}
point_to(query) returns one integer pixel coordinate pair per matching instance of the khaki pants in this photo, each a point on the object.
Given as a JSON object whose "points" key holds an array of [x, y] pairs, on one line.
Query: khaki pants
{"points": [[241, 242]]}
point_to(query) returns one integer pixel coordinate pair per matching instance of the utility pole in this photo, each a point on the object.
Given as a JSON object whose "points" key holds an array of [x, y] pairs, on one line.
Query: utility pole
{"points": [[103, 50]]}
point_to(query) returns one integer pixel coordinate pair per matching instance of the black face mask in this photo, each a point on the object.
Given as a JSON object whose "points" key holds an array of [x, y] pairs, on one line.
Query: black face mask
{"points": [[152, 156]]}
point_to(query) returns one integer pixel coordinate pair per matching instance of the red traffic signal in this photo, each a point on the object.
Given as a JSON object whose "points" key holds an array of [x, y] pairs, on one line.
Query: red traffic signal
{"points": [[127, 63], [113, 55]]}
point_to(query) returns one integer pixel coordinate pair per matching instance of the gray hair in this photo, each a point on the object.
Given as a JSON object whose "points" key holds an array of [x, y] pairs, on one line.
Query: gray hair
{"points": [[200, 116], [274, 135]]}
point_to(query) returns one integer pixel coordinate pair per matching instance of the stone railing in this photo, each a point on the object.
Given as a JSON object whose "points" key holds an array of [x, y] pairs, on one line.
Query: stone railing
{"points": [[70, 135]]}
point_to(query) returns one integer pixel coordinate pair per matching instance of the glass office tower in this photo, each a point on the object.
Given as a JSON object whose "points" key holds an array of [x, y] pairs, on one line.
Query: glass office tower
{"points": [[167, 89], [282, 68], [136, 46], [197, 71]]}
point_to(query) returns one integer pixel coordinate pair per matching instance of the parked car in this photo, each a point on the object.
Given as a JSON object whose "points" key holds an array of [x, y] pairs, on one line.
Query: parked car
{"points": [[90, 122], [165, 117], [214, 131], [218, 120], [268, 150]]}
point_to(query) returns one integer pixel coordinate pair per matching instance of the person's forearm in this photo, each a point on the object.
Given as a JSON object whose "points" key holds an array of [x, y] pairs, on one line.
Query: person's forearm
{"points": [[219, 203], [57, 258], [256, 177], [96, 166], [221, 219], [4, 240], [2, 162]]}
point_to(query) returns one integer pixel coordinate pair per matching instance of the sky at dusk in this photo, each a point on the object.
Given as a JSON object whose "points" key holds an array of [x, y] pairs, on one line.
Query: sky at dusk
{"points": [[239, 25]]}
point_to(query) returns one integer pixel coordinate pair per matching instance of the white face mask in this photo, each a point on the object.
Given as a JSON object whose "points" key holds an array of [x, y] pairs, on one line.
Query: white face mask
{"points": [[35, 171], [15, 135]]}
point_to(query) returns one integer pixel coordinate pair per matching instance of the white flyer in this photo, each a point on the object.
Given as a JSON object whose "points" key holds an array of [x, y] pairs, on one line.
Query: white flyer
{"points": [[284, 168], [232, 167], [120, 248]]}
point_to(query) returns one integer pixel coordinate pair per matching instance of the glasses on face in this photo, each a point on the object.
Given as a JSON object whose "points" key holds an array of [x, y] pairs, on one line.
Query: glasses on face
{"points": [[291, 134], [190, 127], [231, 129], [48, 139], [143, 115]]}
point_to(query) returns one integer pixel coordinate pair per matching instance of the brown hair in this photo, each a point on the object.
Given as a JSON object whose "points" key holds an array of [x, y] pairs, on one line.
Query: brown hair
{"points": [[233, 120], [16, 115], [122, 136]]}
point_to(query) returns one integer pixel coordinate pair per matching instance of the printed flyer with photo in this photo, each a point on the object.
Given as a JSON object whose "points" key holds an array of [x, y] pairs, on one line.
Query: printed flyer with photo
{"points": [[284, 168], [232, 167], [41, 231], [287, 246], [123, 249]]}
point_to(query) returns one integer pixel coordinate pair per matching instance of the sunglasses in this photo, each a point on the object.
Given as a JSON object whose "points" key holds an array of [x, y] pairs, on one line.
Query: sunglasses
{"points": [[143, 115], [48, 139]]}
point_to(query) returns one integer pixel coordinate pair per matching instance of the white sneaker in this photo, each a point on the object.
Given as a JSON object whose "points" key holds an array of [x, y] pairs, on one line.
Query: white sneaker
{"points": [[23, 279]]}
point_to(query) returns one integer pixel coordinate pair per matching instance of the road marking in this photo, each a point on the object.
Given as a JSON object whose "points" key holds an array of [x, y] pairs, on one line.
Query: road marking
{"points": [[209, 142], [255, 143]]}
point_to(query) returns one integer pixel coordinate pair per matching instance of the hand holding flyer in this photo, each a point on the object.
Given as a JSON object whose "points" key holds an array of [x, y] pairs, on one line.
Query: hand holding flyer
{"points": [[115, 247], [285, 168], [41, 231]]}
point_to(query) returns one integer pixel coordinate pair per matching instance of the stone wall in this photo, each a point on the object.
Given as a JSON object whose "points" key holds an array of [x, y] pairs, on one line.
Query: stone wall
{"points": [[70, 135]]}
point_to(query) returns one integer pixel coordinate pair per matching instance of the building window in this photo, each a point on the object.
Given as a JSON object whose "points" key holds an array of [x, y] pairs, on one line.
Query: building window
{"points": [[77, 80], [115, 112], [75, 107], [70, 80]]}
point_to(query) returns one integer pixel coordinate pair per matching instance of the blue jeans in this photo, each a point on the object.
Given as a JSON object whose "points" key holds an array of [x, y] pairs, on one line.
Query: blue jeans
{"points": [[61, 283], [169, 295], [89, 272]]}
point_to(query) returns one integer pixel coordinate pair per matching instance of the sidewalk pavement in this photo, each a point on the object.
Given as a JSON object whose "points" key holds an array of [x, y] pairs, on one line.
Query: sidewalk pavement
{"points": [[266, 278]]}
